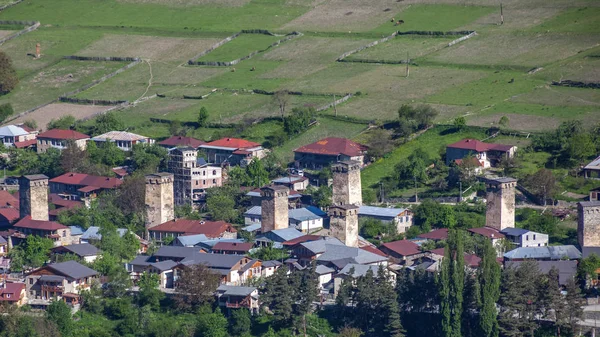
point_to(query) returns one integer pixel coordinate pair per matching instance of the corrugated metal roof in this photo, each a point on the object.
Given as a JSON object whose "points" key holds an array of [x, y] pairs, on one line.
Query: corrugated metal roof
{"points": [[191, 240], [546, 252], [593, 165], [13, 130], [236, 290], [380, 211], [119, 135]]}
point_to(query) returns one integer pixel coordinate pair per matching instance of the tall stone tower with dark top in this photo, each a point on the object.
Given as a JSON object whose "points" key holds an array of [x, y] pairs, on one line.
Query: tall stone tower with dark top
{"points": [[346, 183], [500, 211], [588, 223], [33, 196], [274, 208], [343, 224], [160, 203]]}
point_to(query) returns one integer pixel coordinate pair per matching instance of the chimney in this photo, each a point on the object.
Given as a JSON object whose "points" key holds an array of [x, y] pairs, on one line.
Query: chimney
{"points": [[33, 197]]}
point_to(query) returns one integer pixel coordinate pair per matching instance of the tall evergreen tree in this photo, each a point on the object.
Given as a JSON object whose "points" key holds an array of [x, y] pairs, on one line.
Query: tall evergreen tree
{"points": [[489, 282], [451, 285], [277, 295], [575, 302], [389, 305]]}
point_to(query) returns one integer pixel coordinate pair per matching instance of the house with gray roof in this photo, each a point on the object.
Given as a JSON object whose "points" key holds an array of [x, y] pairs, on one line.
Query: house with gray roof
{"points": [[524, 237], [235, 297], [190, 240], [305, 219], [402, 217], [338, 256], [58, 281], [355, 270], [567, 269], [592, 170], [277, 237], [93, 234], [84, 251], [547, 253], [17, 135]]}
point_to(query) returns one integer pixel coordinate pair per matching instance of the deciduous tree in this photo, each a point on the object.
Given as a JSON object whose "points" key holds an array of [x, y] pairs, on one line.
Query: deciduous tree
{"points": [[196, 285], [8, 74]]}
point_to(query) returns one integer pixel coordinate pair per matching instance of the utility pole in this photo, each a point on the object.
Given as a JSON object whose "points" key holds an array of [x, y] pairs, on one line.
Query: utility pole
{"points": [[381, 193], [460, 191], [407, 62], [334, 106], [501, 15]]}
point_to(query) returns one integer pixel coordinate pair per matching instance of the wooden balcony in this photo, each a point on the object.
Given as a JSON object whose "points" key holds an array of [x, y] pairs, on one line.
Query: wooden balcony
{"points": [[56, 289]]}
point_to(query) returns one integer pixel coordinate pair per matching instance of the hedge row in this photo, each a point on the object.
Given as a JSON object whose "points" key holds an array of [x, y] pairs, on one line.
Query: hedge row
{"points": [[436, 33], [295, 93], [348, 119], [576, 84], [338, 101], [17, 22], [257, 31], [99, 58], [86, 101], [377, 61]]}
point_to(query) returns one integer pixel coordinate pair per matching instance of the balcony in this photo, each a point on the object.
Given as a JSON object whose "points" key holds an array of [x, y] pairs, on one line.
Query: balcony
{"points": [[234, 305], [56, 289]]}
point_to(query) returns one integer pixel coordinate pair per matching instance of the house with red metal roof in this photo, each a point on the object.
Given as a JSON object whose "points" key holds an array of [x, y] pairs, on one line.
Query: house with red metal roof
{"points": [[60, 205], [402, 251], [9, 209], [181, 141], [487, 154], [328, 151], [233, 151], [181, 227], [60, 234], [59, 139], [471, 261], [78, 186], [13, 293], [435, 235]]}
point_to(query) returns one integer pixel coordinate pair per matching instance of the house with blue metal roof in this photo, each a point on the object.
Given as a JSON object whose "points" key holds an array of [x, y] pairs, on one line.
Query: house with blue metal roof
{"points": [[402, 217], [306, 219]]}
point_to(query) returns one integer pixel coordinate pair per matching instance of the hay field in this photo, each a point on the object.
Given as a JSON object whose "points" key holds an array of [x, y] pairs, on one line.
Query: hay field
{"points": [[190, 3], [148, 47], [560, 96], [240, 47], [397, 48], [4, 33], [44, 115]]}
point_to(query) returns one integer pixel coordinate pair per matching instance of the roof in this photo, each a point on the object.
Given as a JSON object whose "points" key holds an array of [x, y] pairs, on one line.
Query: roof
{"points": [[292, 194], [479, 146], [470, 259], [182, 141], [10, 214], [289, 180], [438, 234], [373, 250], [215, 261], [7, 199], [191, 240], [252, 228], [322, 270], [57, 200], [233, 246], [488, 232], [140, 260], [176, 251], [81, 179], [72, 269], [515, 231], [333, 146], [235, 290], [119, 135], [545, 252], [500, 180], [28, 222], [337, 252], [380, 211], [587, 251], [359, 270], [231, 143], [92, 233], [589, 203], [566, 269], [14, 289], [164, 265], [593, 165], [13, 130], [271, 263], [211, 229], [2, 240], [63, 134], [303, 214], [76, 230], [402, 247], [82, 249], [25, 143], [52, 278], [303, 238], [319, 246], [210, 243], [283, 234]]}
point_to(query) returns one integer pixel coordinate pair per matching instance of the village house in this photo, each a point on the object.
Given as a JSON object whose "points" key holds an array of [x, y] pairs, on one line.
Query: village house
{"points": [[356, 271], [234, 248], [329, 151], [59, 234], [61, 204], [306, 219], [435, 235], [180, 227], [256, 200], [402, 251], [487, 154], [592, 170], [59, 139], [233, 151], [192, 175], [92, 234], [63, 280], [124, 140], [268, 268], [402, 217], [80, 186], [181, 141], [76, 234], [3, 247], [277, 237], [230, 267], [525, 238], [490, 233], [235, 297], [18, 136], [13, 293], [471, 261], [84, 251], [544, 253], [595, 194], [9, 209], [567, 269], [293, 182]]}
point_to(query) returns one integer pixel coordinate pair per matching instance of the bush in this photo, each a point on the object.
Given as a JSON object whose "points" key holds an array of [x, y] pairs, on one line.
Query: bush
{"points": [[6, 110], [8, 74]]}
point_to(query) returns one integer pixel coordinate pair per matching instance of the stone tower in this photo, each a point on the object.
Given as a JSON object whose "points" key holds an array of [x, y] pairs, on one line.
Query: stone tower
{"points": [[343, 224], [588, 224], [33, 196], [274, 207], [160, 206], [346, 183], [500, 211]]}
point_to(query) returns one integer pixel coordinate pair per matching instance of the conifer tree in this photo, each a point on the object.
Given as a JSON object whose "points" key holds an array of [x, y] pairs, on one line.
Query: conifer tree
{"points": [[277, 295], [489, 282], [452, 282]]}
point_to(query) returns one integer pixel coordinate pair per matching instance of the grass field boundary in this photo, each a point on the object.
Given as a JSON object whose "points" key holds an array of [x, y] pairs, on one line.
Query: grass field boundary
{"points": [[436, 33], [576, 84], [102, 79], [461, 39], [102, 59], [287, 37], [85, 101], [10, 5], [32, 25], [192, 61], [372, 44], [334, 103]]}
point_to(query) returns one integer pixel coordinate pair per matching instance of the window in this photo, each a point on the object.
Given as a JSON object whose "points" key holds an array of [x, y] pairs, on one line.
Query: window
{"points": [[7, 295], [203, 173], [527, 237], [203, 182], [214, 181], [215, 172], [30, 281], [64, 233], [533, 236]]}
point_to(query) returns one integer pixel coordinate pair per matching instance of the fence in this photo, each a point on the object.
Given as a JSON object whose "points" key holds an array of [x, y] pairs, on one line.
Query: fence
{"points": [[102, 59], [462, 39], [86, 101], [33, 25], [372, 44]]}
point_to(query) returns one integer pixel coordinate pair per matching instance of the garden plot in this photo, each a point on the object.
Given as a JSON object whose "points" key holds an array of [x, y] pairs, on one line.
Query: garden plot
{"points": [[56, 80], [515, 49], [399, 47], [239, 47], [308, 55], [148, 47], [44, 115]]}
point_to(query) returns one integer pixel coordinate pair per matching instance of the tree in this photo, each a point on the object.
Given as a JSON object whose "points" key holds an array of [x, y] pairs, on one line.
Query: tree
{"points": [[221, 207], [299, 120], [350, 332], [34, 252], [586, 269], [49, 163], [60, 313], [240, 322], [460, 123], [65, 122], [489, 282], [379, 143], [257, 174], [202, 117], [149, 158], [416, 118], [278, 295], [306, 284], [73, 158], [107, 122], [30, 123], [6, 110], [281, 99], [451, 283], [149, 293], [542, 183], [8, 74], [504, 122], [574, 303], [196, 284], [433, 214], [322, 196]]}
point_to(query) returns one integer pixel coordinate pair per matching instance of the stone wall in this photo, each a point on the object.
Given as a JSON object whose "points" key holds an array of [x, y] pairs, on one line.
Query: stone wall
{"points": [[160, 205], [33, 197], [346, 183], [588, 224], [274, 208], [343, 224], [500, 212]]}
